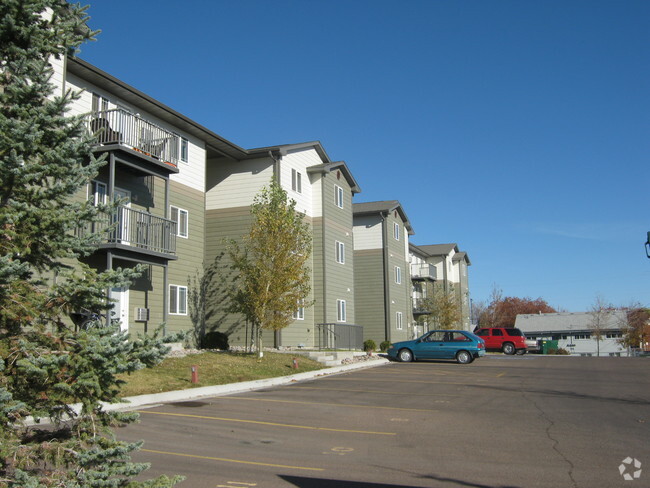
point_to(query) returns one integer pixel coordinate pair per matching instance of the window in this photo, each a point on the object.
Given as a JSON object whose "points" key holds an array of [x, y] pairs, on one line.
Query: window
{"points": [[97, 192], [180, 216], [514, 332], [99, 103], [299, 314], [398, 275], [296, 181], [338, 196], [340, 252], [398, 320], [396, 231], [184, 150], [177, 300], [497, 332], [341, 315]]}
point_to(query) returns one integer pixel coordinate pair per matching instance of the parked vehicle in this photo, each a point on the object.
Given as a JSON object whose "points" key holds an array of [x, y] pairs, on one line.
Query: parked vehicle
{"points": [[532, 345], [460, 345], [506, 339]]}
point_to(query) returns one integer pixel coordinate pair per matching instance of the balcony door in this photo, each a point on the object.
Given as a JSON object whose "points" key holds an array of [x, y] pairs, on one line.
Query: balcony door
{"points": [[122, 215], [120, 310]]}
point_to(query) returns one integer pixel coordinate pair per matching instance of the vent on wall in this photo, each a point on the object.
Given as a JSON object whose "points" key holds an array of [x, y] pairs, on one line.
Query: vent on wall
{"points": [[141, 314]]}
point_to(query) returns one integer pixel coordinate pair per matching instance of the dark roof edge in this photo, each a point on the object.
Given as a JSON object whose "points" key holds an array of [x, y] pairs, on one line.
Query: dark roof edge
{"points": [[79, 66], [327, 167]]}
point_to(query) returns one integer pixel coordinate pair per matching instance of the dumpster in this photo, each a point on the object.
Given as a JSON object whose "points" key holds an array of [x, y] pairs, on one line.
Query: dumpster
{"points": [[548, 345]]}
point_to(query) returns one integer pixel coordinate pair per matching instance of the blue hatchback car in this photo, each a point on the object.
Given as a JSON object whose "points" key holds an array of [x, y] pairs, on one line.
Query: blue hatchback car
{"points": [[460, 345]]}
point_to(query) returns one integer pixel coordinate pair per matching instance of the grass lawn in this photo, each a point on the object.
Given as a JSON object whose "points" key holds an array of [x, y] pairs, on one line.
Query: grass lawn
{"points": [[214, 368]]}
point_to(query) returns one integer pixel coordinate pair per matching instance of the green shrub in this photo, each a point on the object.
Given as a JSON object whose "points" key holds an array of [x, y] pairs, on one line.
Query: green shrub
{"points": [[369, 345], [551, 351], [383, 347], [215, 340], [562, 352]]}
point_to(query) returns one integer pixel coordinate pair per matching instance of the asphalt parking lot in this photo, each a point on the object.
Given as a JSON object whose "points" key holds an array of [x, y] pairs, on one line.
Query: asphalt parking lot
{"points": [[527, 421]]}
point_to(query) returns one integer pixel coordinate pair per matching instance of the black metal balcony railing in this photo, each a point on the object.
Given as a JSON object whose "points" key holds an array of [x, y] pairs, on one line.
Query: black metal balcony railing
{"points": [[420, 306], [139, 230], [118, 126], [423, 272], [339, 336]]}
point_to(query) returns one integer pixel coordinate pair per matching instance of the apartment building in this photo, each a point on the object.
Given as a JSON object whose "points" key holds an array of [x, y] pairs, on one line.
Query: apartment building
{"points": [[423, 278], [382, 271], [451, 273], [156, 161], [185, 191], [323, 191]]}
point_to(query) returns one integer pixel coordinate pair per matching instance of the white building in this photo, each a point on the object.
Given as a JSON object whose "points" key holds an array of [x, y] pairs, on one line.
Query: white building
{"points": [[573, 331]]}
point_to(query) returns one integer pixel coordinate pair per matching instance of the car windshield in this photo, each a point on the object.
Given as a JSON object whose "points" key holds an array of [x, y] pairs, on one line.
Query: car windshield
{"points": [[514, 332]]}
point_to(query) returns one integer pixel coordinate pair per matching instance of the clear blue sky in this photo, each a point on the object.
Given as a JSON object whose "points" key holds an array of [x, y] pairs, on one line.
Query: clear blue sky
{"points": [[517, 129]]}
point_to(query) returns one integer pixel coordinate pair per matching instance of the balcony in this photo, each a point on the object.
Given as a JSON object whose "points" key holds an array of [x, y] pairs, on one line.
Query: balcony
{"points": [[138, 231], [419, 306], [120, 127], [423, 272]]}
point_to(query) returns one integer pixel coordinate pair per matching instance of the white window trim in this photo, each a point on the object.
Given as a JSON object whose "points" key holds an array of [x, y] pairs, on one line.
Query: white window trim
{"points": [[296, 181], [178, 226], [338, 196], [396, 231], [341, 311], [340, 252], [398, 320], [185, 142], [177, 292], [92, 193], [299, 313], [398, 275]]}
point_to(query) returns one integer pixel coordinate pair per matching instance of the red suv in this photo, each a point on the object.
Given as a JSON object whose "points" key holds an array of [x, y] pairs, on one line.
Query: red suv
{"points": [[506, 339]]}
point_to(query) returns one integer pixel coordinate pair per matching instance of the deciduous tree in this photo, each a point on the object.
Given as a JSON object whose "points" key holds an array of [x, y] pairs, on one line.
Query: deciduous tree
{"points": [[502, 312], [636, 327], [600, 313], [272, 278], [443, 309]]}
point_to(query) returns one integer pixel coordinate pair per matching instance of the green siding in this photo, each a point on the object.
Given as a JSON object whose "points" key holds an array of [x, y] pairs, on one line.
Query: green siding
{"points": [[337, 279], [369, 293], [232, 223]]}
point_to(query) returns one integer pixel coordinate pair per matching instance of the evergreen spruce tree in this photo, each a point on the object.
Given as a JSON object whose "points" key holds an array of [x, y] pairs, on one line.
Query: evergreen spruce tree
{"points": [[46, 365]]}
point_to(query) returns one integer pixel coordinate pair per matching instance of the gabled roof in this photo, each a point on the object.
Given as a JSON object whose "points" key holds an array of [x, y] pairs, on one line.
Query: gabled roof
{"points": [[461, 256], [384, 206], [341, 166], [566, 321], [439, 249]]}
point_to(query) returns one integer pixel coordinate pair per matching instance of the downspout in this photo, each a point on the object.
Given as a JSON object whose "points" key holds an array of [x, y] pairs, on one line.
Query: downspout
{"points": [[277, 337], [109, 254], [384, 227], [165, 270], [276, 166], [324, 250]]}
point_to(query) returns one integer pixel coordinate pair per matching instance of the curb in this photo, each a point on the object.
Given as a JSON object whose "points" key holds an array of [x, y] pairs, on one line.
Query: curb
{"points": [[217, 390], [154, 399]]}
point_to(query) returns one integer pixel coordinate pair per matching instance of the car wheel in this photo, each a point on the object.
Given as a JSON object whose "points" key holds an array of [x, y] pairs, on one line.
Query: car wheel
{"points": [[463, 357], [509, 348], [405, 356], [521, 352]]}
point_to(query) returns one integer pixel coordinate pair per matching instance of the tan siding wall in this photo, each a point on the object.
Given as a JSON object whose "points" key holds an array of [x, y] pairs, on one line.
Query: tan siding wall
{"points": [[234, 184]]}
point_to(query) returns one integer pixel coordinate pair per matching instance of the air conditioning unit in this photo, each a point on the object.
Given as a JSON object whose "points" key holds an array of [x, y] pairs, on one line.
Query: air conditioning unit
{"points": [[141, 314]]}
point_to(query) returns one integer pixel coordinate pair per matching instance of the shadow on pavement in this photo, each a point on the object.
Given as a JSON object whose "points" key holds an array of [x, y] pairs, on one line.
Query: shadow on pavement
{"points": [[302, 482]]}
